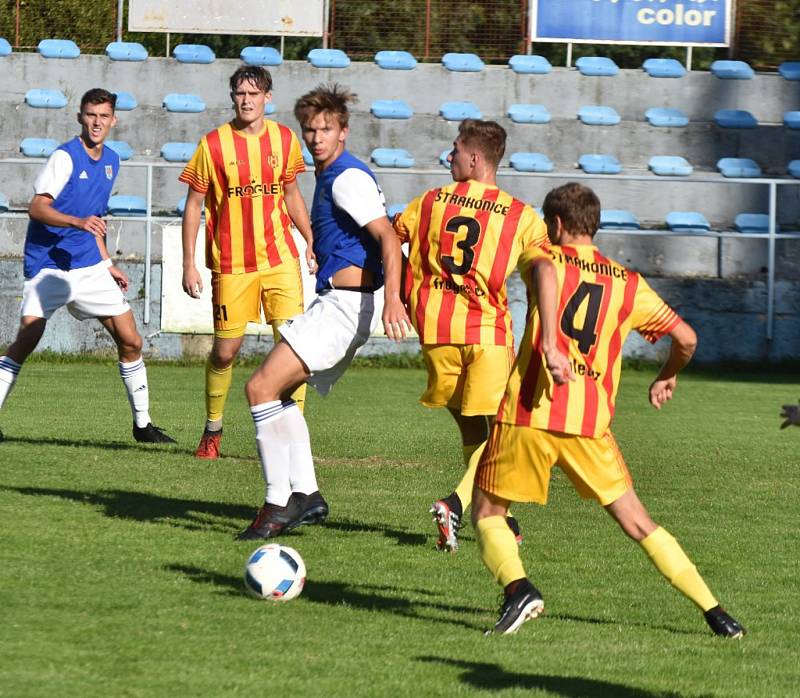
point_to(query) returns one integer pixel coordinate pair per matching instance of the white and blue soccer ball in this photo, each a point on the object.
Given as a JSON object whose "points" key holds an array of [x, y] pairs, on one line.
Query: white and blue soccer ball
{"points": [[275, 572]]}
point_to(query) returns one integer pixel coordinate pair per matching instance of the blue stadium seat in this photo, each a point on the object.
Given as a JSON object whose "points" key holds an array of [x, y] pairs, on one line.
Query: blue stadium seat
{"points": [[391, 109], [732, 70], [735, 118], [392, 157], [178, 152], [260, 55], [663, 116], [531, 162], [753, 223], [462, 62], [593, 115], [663, 68], [793, 168], [395, 60], [125, 101], [595, 163], [669, 166], [38, 147], [121, 148], [446, 153], [4, 205], [181, 207], [58, 48], [791, 119], [394, 209], [619, 219], [122, 205], [328, 58], [738, 167], [790, 70], [46, 99], [5, 47], [185, 104], [687, 221], [308, 158], [529, 114], [193, 53], [457, 111], [126, 51], [530, 65], [596, 66]]}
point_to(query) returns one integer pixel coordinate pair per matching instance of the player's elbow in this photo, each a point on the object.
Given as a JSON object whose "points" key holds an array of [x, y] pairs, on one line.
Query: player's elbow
{"points": [[685, 339]]}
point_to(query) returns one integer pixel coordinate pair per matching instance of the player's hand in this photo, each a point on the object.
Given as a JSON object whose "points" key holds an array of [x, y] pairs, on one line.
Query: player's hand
{"points": [[559, 366], [120, 277], [311, 260], [791, 415], [94, 225], [395, 320], [661, 391], [192, 283]]}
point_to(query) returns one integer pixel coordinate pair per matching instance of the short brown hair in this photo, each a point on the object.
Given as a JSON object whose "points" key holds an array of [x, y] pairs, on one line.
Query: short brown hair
{"points": [[325, 99], [576, 205], [99, 96], [259, 76], [487, 137]]}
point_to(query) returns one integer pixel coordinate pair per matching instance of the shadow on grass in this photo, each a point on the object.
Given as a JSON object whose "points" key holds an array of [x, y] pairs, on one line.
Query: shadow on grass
{"points": [[402, 537], [93, 443], [492, 677], [626, 623]]}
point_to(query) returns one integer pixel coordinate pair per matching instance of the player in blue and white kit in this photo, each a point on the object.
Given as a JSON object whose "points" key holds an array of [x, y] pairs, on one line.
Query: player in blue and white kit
{"points": [[357, 252], [67, 263]]}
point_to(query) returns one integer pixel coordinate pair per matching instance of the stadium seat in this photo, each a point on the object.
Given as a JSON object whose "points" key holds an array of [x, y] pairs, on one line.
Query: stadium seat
{"points": [[394, 209], [5, 47], [663, 68], [181, 207], [58, 48], [687, 221], [126, 51], [446, 154], [121, 148], [178, 152], [392, 157], [599, 164], [793, 168], [663, 116], [669, 165], [185, 104], [619, 219], [328, 58], [458, 111], [791, 119], [529, 114], [125, 101], [753, 223], [790, 70], [732, 70], [593, 115], [391, 109], [260, 55], [4, 205], [596, 66], [308, 158], [395, 60], [193, 53], [38, 147], [738, 167], [121, 205], [46, 99], [530, 65], [735, 118], [462, 62], [531, 162]]}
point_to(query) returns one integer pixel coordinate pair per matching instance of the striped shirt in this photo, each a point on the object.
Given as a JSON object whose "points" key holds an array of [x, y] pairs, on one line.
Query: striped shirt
{"points": [[599, 303], [464, 242], [247, 225]]}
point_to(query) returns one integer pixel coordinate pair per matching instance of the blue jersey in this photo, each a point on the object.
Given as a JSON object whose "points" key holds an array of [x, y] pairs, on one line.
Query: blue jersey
{"points": [[339, 241], [86, 193]]}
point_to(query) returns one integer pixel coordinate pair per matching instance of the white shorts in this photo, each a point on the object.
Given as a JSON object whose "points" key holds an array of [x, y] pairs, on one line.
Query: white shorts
{"points": [[89, 292], [330, 332]]}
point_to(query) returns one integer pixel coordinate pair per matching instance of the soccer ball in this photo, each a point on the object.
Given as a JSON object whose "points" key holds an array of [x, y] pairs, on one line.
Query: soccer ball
{"points": [[275, 572]]}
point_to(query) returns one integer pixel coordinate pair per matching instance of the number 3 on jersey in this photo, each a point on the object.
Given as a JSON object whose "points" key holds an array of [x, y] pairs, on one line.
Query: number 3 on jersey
{"points": [[586, 335], [473, 228]]}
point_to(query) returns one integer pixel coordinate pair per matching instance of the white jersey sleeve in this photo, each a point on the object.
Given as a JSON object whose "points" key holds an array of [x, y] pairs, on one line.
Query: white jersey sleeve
{"points": [[359, 195], [54, 175]]}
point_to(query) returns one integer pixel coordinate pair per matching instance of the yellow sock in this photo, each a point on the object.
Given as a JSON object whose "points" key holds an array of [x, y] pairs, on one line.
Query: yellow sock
{"points": [[499, 549], [218, 383], [472, 456], [669, 558], [299, 395]]}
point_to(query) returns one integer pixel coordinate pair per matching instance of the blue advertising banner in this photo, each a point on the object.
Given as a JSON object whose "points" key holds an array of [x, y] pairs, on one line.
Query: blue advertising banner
{"points": [[683, 22]]}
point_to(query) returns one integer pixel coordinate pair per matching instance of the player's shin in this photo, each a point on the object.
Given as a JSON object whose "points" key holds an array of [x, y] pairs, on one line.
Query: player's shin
{"points": [[274, 450], [472, 456], [134, 378], [9, 370], [218, 384], [499, 550]]}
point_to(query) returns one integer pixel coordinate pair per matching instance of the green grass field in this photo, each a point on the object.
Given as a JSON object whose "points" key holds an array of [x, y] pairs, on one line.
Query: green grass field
{"points": [[119, 574]]}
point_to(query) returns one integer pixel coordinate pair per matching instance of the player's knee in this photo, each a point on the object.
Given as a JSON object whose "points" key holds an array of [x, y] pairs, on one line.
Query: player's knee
{"points": [[130, 345], [257, 390]]}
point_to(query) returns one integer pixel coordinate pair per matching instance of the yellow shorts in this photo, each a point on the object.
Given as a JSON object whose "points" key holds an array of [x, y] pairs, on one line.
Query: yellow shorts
{"points": [[467, 377], [517, 462], [239, 298]]}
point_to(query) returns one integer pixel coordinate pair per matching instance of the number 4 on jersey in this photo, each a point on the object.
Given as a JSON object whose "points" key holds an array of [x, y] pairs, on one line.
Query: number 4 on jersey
{"points": [[586, 336]]}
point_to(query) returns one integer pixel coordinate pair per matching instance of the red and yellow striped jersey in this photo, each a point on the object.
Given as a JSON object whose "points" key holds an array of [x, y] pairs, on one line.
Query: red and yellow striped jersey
{"points": [[464, 242], [599, 303], [247, 225]]}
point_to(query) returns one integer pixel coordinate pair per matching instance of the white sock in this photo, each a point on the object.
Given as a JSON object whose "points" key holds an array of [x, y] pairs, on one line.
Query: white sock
{"points": [[9, 370], [302, 476], [134, 377]]}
